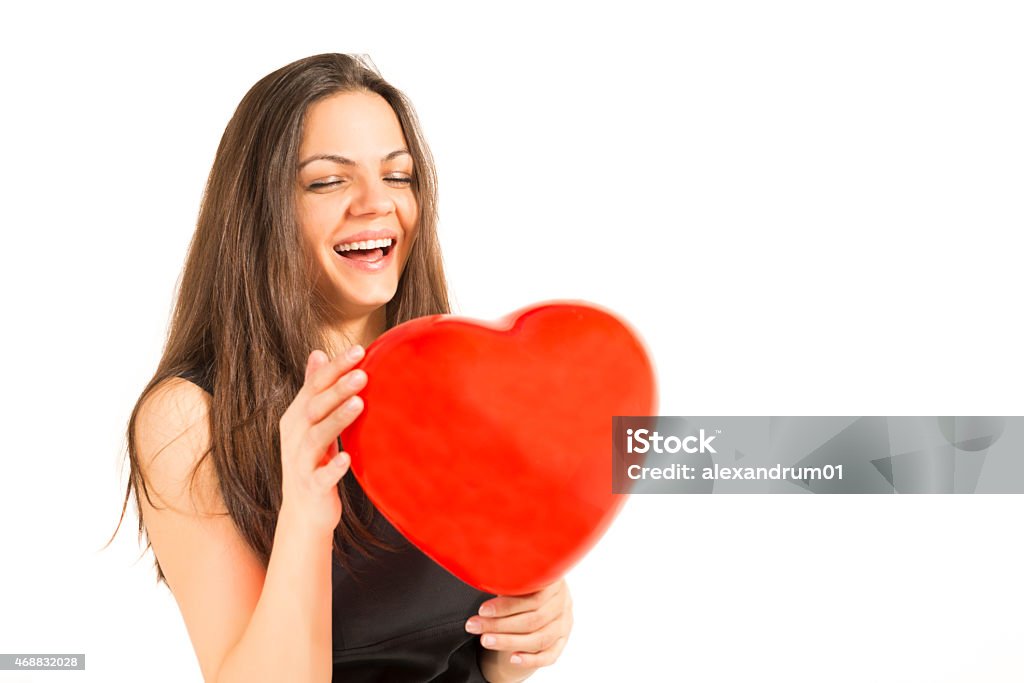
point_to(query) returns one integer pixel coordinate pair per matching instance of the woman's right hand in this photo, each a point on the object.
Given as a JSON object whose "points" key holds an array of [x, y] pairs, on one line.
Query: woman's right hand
{"points": [[325, 405]]}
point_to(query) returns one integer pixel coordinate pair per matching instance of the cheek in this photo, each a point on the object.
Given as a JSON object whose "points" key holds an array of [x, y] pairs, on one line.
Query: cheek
{"points": [[408, 215], [313, 223], [305, 218]]}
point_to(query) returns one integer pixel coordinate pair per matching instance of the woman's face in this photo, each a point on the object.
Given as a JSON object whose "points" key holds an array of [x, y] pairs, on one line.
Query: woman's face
{"points": [[357, 209]]}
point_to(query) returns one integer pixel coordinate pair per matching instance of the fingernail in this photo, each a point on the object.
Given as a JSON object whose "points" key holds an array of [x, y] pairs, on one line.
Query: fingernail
{"points": [[488, 641], [486, 610], [515, 659], [357, 378], [473, 626], [355, 353], [354, 404]]}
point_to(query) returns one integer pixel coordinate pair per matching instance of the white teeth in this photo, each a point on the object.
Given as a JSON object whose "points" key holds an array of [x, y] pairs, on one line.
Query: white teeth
{"points": [[367, 244]]}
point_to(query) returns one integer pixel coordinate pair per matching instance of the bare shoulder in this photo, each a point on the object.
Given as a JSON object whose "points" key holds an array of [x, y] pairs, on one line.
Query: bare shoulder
{"points": [[214, 575], [172, 434]]}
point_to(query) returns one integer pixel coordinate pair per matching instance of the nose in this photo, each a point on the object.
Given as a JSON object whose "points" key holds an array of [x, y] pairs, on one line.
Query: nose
{"points": [[371, 198]]}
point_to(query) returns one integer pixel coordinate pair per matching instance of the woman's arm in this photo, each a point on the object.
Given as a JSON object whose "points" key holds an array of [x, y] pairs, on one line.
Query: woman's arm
{"points": [[245, 622]]}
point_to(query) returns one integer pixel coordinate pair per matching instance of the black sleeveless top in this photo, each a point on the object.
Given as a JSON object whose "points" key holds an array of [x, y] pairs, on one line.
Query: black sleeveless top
{"points": [[397, 616]]}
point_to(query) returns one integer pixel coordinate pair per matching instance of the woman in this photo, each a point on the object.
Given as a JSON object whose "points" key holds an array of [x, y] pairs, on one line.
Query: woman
{"points": [[317, 233]]}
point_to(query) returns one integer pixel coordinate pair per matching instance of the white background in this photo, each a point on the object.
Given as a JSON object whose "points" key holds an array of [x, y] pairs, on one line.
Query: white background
{"points": [[806, 208]]}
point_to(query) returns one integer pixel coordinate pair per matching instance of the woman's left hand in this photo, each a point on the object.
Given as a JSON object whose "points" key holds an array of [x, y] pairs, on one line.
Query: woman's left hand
{"points": [[524, 632]]}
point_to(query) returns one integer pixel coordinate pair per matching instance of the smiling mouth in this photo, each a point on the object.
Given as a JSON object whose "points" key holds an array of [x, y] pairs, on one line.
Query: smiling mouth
{"points": [[368, 250]]}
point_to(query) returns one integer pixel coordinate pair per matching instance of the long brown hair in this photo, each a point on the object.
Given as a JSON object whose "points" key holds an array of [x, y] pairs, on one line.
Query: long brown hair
{"points": [[247, 316]]}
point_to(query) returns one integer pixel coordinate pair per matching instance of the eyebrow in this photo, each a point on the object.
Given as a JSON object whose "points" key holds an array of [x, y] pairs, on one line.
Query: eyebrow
{"points": [[345, 161]]}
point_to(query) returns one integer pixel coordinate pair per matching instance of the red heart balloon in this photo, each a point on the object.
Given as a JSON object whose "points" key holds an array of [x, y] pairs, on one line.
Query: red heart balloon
{"points": [[488, 445]]}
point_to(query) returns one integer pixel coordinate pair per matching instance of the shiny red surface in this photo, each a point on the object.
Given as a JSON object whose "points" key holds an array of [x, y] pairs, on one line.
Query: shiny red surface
{"points": [[488, 445]]}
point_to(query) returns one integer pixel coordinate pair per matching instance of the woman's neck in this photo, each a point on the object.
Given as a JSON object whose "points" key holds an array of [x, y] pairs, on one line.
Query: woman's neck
{"points": [[361, 330]]}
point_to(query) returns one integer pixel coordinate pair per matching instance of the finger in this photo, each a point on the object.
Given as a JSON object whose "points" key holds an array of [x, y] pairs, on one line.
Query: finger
{"points": [[523, 622], [323, 433], [316, 360], [329, 454], [320, 405], [325, 376], [507, 605], [546, 657], [523, 642], [327, 477]]}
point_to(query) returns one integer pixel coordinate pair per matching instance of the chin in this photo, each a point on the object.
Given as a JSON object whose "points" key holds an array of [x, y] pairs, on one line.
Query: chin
{"points": [[367, 302]]}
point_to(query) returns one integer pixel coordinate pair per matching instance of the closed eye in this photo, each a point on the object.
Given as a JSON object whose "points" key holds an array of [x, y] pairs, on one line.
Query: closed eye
{"points": [[324, 183], [403, 181]]}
